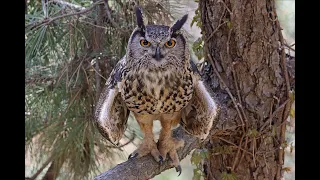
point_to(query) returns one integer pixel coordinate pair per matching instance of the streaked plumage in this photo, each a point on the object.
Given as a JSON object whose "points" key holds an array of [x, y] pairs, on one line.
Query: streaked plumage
{"points": [[156, 81]]}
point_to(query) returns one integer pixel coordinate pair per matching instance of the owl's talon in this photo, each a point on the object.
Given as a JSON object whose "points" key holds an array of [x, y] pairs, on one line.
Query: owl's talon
{"points": [[133, 156], [148, 146], [170, 146], [161, 160], [178, 169]]}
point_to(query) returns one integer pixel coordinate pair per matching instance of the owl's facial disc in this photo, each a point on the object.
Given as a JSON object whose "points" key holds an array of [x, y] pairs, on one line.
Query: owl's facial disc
{"points": [[157, 45]]}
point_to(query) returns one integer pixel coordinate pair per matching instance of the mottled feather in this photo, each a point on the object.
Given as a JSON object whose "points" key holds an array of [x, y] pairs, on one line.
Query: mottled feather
{"points": [[111, 113], [156, 81], [199, 115]]}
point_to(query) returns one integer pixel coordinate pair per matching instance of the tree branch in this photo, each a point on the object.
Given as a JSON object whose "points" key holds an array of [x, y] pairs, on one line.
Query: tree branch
{"points": [[70, 5], [50, 20], [97, 47], [41, 169], [114, 24], [146, 167]]}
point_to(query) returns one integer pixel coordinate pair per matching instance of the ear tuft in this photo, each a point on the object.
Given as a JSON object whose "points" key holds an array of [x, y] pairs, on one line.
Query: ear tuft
{"points": [[139, 17], [178, 25]]}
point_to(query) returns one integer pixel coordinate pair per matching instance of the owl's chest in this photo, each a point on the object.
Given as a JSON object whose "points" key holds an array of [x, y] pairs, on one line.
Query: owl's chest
{"points": [[156, 93]]}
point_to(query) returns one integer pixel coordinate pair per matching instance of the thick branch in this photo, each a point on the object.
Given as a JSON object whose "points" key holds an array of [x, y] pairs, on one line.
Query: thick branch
{"points": [[146, 167]]}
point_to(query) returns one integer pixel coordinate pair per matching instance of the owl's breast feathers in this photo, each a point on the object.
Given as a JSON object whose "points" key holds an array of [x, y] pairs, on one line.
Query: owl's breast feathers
{"points": [[155, 92]]}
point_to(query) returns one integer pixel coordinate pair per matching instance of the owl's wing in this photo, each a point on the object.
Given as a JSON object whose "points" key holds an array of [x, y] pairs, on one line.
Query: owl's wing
{"points": [[198, 116], [111, 113]]}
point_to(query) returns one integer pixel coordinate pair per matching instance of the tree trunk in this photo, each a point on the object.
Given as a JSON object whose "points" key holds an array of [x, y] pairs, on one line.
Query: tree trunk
{"points": [[97, 45], [244, 44]]}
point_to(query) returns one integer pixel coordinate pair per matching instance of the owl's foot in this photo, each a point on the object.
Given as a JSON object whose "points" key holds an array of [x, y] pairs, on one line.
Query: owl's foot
{"points": [[170, 146], [146, 147]]}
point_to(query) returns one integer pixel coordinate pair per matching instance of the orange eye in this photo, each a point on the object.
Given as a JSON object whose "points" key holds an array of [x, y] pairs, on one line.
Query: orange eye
{"points": [[171, 43], [144, 43]]}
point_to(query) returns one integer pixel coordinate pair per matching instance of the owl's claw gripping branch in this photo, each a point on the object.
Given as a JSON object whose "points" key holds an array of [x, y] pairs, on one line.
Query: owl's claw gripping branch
{"points": [[161, 160], [178, 169], [169, 145], [147, 146], [133, 155]]}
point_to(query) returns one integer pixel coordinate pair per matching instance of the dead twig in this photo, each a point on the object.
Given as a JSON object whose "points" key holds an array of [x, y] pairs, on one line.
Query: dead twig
{"points": [[262, 129], [97, 71], [234, 145], [235, 82], [221, 1], [288, 105], [97, 48], [242, 155], [253, 152], [114, 24], [237, 155], [210, 36], [290, 47], [227, 89], [265, 161]]}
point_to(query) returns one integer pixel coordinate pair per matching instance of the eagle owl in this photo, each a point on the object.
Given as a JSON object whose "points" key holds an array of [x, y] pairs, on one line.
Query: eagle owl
{"points": [[156, 80]]}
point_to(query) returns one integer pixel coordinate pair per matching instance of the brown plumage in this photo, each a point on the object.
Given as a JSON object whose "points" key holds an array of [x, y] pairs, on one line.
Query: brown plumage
{"points": [[156, 80]]}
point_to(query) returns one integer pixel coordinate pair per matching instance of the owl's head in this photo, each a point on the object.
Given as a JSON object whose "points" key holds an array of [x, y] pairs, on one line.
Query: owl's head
{"points": [[157, 45]]}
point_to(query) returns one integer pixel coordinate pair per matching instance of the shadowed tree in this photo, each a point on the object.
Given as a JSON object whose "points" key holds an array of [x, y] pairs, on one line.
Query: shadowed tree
{"points": [[245, 46]]}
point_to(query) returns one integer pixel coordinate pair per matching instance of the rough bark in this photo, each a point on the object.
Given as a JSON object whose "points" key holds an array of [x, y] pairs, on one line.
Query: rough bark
{"points": [[244, 44]]}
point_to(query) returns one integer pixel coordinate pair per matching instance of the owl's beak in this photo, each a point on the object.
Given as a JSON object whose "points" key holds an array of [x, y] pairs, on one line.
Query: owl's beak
{"points": [[158, 54]]}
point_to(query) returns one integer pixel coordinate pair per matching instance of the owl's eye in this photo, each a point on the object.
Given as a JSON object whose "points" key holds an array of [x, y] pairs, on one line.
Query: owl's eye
{"points": [[144, 43], [171, 43]]}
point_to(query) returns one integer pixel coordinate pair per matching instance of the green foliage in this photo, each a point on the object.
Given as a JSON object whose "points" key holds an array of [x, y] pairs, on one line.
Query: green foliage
{"points": [[252, 133], [292, 113], [197, 18], [229, 24], [197, 48], [222, 149], [197, 174], [284, 144], [197, 159], [292, 99]]}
